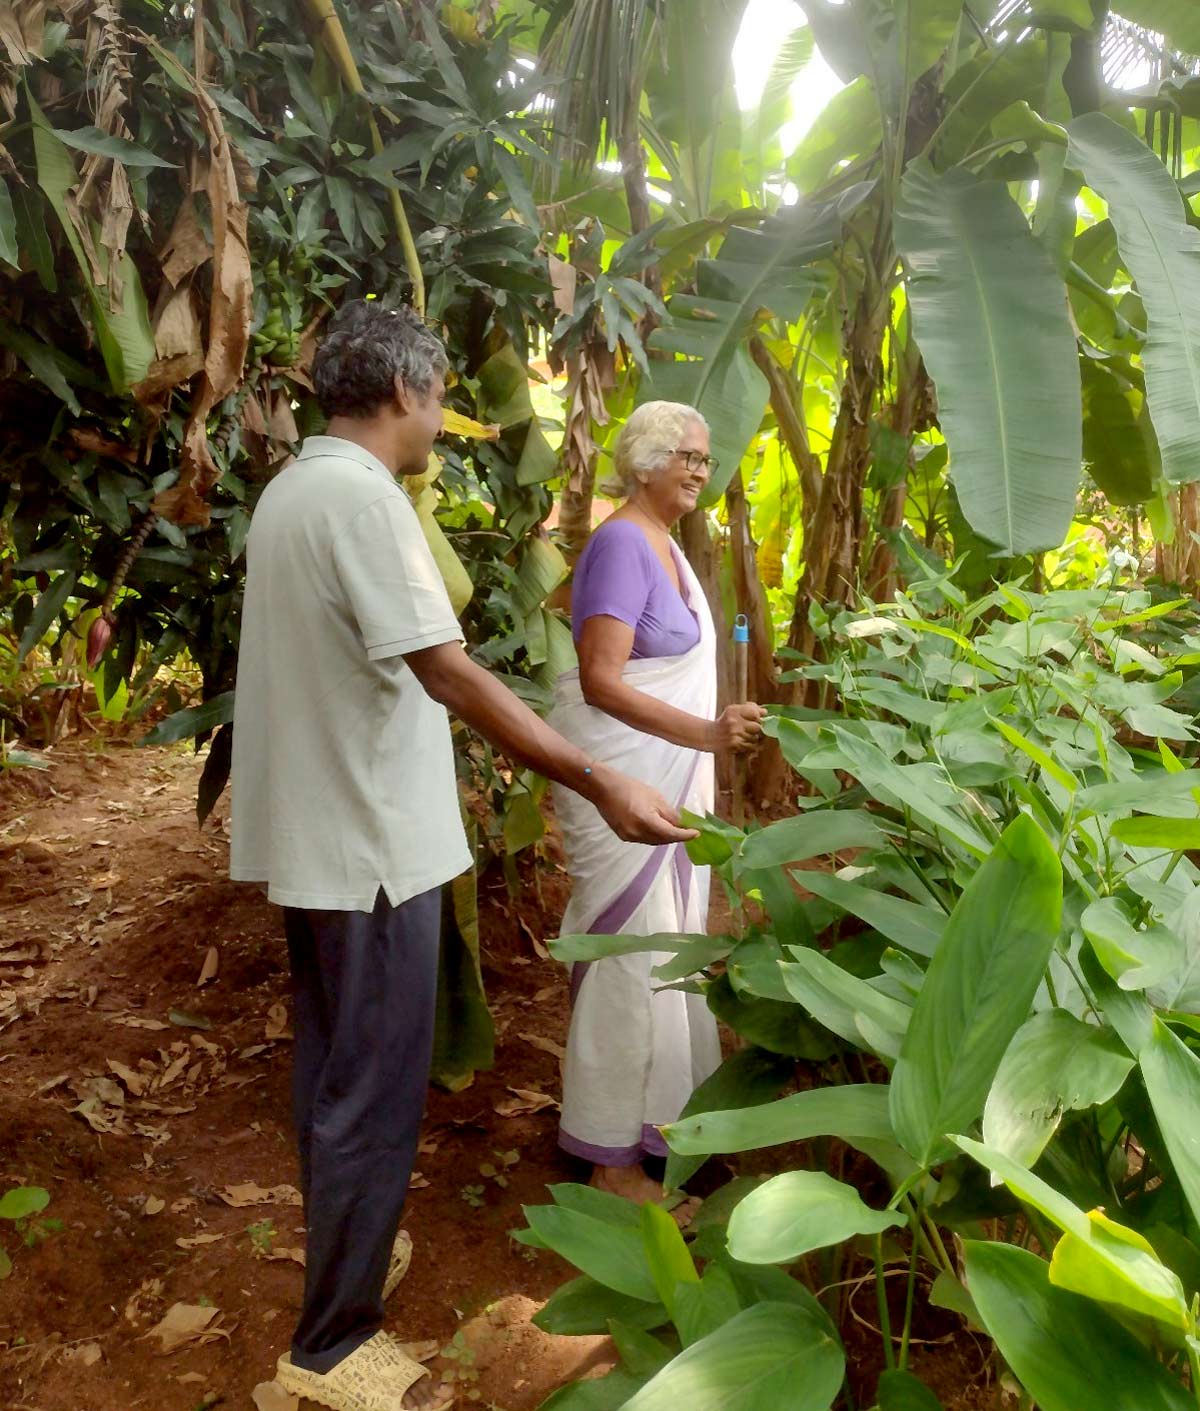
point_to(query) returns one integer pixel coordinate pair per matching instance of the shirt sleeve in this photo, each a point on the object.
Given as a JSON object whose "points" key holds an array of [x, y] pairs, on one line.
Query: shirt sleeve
{"points": [[613, 578], [392, 582]]}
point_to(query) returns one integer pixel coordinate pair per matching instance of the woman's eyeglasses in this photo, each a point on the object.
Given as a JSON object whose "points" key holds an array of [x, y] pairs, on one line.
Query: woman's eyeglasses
{"points": [[695, 459]]}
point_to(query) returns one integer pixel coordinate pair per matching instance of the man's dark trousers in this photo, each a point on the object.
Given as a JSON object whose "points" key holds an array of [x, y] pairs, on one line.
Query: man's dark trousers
{"points": [[365, 989]]}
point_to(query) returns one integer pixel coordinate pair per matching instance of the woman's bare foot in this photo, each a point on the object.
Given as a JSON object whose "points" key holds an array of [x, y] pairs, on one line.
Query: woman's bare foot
{"points": [[629, 1182], [632, 1183]]}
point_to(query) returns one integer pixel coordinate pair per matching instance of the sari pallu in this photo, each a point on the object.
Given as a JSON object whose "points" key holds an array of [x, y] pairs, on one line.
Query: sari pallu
{"points": [[635, 1056]]}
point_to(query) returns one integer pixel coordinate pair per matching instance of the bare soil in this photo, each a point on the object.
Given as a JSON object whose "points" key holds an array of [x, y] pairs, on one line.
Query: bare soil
{"points": [[149, 1096]]}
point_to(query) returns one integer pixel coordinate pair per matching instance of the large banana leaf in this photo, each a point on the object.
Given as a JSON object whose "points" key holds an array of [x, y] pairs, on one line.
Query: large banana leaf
{"points": [[1119, 448], [758, 273], [991, 318], [1177, 20], [1162, 252]]}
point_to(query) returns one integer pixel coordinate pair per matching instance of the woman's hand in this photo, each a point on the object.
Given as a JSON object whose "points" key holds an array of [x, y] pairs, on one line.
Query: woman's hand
{"points": [[737, 728]]}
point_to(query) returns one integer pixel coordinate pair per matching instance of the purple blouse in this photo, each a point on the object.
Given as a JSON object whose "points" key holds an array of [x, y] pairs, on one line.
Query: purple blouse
{"points": [[619, 575]]}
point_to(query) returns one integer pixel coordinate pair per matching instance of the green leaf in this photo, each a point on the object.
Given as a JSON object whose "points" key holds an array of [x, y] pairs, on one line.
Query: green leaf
{"points": [[97, 142], [341, 198], [641, 1353], [810, 835], [1055, 1064], [852, 1008], [9, 246], [912, 927], [195, 720], [851, 1112], [45, 611], [797, 1212], [1172, 1076], [700, 1309], [22, 1202], [1135, 958], [989, 314], [666, 1253], [748, 1077], [1040, 1331], [777, 1025], [1151, 831], [977, 991], [607, 1393], [1162, 252], [901, 1391], [1177, 20], [584, 1307], [767, 1357], [1096, 1256], [612, 1255], [1119, 448], [124, 334], [570, 949]]}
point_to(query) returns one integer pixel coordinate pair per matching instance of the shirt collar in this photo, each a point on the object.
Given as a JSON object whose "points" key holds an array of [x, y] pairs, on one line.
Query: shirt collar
{"points": [[345, 450]]}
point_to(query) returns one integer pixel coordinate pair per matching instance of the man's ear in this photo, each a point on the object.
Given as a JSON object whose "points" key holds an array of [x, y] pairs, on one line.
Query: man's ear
{"points": [[403, 394]]}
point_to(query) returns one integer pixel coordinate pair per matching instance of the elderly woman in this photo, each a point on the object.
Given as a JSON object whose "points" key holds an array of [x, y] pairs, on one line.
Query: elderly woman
{"points": [[643, 701]]}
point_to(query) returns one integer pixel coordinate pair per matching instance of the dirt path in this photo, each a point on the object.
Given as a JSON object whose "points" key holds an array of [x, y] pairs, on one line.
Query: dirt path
{"points": [[142, 1126]]}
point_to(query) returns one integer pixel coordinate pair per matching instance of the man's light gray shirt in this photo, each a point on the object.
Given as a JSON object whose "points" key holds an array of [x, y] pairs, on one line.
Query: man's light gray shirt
{"points": [[343, 768]]}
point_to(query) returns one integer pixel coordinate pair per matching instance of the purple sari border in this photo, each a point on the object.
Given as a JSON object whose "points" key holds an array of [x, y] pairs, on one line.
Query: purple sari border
{"points": [[651, 1144]]}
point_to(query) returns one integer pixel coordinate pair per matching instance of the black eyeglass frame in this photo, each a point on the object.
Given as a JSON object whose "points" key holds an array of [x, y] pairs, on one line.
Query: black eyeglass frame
{"points": [[693, 459]]}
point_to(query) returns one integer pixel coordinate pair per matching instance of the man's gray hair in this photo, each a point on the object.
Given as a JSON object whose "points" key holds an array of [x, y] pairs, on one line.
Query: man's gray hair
{"points": [[647, 440], [365, 349]]}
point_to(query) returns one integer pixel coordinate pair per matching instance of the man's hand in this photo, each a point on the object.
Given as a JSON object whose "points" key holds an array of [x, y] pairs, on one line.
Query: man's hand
{"points": [[635, 812]]}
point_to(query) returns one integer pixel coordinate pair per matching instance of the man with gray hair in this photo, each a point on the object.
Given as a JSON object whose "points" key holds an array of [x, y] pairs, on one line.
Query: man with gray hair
{"points": [[345, 804]]}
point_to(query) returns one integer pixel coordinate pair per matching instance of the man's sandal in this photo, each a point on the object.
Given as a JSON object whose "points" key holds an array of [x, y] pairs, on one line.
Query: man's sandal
{"points": [[374, 1377], [398, 1264]]}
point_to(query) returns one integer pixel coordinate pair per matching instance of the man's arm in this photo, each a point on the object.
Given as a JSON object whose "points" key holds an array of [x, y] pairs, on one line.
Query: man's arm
{"points": [[633, 810]]}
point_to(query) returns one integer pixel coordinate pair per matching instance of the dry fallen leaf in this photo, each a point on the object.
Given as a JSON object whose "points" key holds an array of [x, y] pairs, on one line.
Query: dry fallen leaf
{"points": [[104, 881], [427, 1146], [188, 1323], [277, 1022], [135, 1021], [418, 1182], [190, 1378], [195, 1241], [546, 1045], [153, 1205], [88, 1353], [538, 946], [135, 1082], [524, 1101], [545, 993], [251, 1194], [208, 971], [270, 1396], [296, 1255]]}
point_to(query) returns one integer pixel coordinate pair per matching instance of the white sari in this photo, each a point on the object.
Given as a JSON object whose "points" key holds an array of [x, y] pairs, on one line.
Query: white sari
{"points": [[635, 1055]]}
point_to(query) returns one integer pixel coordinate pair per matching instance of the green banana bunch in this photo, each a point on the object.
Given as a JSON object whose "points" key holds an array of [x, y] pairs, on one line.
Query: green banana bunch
{"points": [[277, 339]]}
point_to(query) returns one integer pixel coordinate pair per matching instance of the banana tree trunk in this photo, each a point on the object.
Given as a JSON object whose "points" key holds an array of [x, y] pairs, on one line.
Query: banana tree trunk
{"points": [[834, 534]]}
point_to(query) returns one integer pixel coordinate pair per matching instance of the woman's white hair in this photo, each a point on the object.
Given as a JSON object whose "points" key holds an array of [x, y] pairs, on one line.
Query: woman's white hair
{"points": [[646, 441]]}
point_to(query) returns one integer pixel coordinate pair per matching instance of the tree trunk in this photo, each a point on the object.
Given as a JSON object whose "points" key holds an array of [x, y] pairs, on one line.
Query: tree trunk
{"points": [[1179, 561]]}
